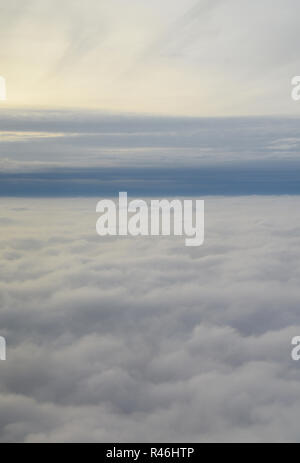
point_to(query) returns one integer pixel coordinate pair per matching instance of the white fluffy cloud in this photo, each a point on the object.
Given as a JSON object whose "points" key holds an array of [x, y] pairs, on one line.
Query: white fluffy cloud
{"points": [[145, 339]]}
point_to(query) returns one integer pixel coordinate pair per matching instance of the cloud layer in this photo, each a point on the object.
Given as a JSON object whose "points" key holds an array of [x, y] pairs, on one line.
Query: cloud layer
{"points": [[65, 153], [145, 339]]}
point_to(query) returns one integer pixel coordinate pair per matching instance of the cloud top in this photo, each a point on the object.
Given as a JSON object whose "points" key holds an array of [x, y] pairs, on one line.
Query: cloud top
{"points": [[144, 339]]}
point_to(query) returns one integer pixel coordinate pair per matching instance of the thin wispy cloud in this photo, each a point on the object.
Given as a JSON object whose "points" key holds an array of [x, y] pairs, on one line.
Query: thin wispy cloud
{"points": [[181, 31], [184, 58]]}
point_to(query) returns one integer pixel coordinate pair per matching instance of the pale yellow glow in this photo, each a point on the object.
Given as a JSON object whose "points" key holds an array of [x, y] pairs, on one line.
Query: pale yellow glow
{"points": [[192, 58]]}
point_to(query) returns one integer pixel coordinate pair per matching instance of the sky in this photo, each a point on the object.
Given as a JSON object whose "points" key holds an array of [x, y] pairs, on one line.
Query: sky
{"points": [[192, 58], [125, 339]]}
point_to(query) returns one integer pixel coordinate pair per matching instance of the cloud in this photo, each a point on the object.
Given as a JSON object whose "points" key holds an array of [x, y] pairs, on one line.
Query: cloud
{"points": [[201, 58], [144, 339], [65, 153], [174, 37], [241, 179]]}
